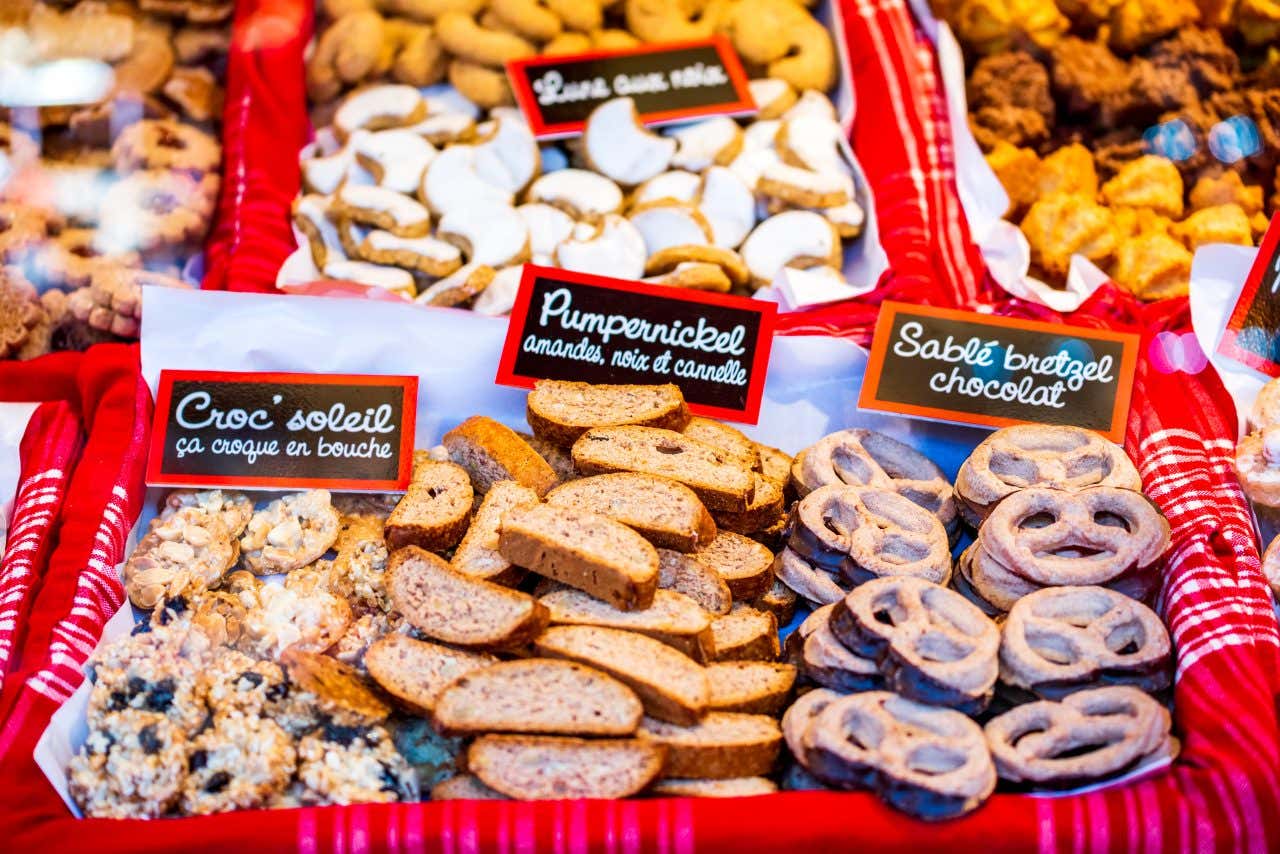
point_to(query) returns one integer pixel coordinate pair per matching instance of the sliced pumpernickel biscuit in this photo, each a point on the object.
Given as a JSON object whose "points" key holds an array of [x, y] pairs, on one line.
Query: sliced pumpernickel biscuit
{"points": [[673, 618], [584, 550], [754, 687], [465, 787], [415, 672], [477, 555], [559, 458], [779, 600], [546, 767], [774, 464], [717, 479], [734, 787], [686, 574], [672, 686], [745, 565], [561, 411], [444, 604], [722, 746], [728, 439], [435, 510], [765, 509], [493, 452], [540, 696], [745, 634], [666, 513]]}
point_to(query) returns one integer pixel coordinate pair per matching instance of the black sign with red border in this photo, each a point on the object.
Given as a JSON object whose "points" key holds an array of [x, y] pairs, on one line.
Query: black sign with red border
{"points": [[669, 83], [283, 430], [949, 365], [575, 326], [1252, 335]]}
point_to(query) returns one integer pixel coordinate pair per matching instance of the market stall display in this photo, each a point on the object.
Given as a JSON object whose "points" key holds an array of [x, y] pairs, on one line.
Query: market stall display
{"points": [[1124, 136], [110, 165]]}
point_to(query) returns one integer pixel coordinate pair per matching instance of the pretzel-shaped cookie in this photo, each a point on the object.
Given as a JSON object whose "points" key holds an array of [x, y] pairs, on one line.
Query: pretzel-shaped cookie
{"points": [[1088, 736], [923, 760], [1056, 538], [1028, 455], [932, 644], [1061, 639], [867, 532], [868, 458], [828, 662]]}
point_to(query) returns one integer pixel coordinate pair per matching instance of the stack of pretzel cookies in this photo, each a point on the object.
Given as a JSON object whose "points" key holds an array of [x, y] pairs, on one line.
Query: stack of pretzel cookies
{"points": [[1258, 468], [1031, 662], [440, 192]]}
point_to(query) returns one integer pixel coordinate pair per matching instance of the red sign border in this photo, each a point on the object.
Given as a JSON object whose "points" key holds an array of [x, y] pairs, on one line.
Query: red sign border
{"points": [[768, 312], [867, 398], [521, 87], [164, 398], [1235, 324]]}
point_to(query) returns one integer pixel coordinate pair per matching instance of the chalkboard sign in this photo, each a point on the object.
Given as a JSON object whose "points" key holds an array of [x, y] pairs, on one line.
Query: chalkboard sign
{"points": [[669, 82], [574, 326], [283, 431], [1252, 335], [996, 371]]}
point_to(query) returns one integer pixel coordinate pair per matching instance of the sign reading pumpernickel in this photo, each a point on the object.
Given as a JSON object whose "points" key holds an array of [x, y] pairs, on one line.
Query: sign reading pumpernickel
{"points": [[574, 326], [996, 371], [668, 82], [1252, 335], [283, 431]]}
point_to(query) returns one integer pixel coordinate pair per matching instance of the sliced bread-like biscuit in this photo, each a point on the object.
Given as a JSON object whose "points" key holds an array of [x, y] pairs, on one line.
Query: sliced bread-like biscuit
{"points": [[765, 508], [774, 464], [342, 693], [478, 554], [779, 600], [728, 439], [722, 746], [444, 604], [539, 696], [673, 618], [753, 687], [672, 686], [435, 510], [584, 550], [559, 458], [561, 411], [745, 634], [716, 478], [734, 787], [745, 565], [415, 672], [666, 513], [548, 768], [465, 787], [686, 574], [493, 452]]}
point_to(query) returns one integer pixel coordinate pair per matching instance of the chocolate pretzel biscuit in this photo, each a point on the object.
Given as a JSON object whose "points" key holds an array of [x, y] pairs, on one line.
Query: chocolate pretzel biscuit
{"points": [[1062, 639], [932, 644]]}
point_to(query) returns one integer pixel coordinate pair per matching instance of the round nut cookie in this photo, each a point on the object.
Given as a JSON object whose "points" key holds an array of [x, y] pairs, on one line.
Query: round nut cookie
{"points": [[290, 533], [132, 765], [238, 763], [186, 552], [353, 765]]}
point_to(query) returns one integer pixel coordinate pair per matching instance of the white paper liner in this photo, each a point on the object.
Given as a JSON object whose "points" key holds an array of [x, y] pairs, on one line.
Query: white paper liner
{"points": [[811, 389], [14, 418]]}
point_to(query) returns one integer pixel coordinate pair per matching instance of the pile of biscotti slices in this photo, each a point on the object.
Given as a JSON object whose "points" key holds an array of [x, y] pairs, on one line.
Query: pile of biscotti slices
{"points": [[584, 613]]}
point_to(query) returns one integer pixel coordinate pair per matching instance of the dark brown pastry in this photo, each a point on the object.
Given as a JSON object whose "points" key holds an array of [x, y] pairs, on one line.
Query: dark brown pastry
{"points": [[1210, 63]]}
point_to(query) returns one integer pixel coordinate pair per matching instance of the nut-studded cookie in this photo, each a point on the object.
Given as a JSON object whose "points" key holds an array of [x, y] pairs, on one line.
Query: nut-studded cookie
{"points": [[1088, 736], [132, 765], [1063, 639], [290, 532], [1027, 455], [869, 532], [877, 740], [238, 763], [235, 509], [932, 645], [187, 551]]}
